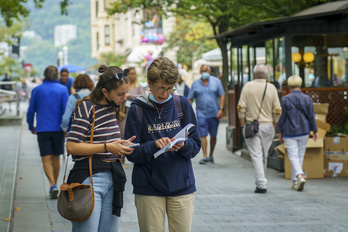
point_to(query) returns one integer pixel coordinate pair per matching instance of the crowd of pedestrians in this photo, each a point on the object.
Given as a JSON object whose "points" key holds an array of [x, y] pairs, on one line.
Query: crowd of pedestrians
{"points": [[122, 114]]}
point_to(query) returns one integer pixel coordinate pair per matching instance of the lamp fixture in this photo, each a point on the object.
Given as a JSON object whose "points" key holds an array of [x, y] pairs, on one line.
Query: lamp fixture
{"points": [[296, 57], [308, 57]]}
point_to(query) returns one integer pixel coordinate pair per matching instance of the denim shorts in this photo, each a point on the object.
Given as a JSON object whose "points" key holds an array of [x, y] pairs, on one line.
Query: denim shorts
{"points": [[208, 125], [51, 142]]}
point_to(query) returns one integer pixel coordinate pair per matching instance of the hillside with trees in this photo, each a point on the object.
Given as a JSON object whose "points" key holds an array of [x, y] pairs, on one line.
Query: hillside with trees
{"points": [[41, 51]]}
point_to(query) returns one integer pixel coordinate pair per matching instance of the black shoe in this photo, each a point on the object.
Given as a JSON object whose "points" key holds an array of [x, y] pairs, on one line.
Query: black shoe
{"points": [[258, 190]]}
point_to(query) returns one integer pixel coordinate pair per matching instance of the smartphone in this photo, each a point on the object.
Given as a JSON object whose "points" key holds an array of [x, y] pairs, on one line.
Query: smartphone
{"points": [[134, 145]]}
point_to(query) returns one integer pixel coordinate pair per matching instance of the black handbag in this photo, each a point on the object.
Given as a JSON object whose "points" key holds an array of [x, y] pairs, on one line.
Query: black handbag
{"points": [[76, 201], [253, 128]]}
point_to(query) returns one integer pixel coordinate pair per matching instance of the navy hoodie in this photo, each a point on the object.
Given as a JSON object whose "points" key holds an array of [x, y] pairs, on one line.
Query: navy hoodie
{"points": [[170, 174]]}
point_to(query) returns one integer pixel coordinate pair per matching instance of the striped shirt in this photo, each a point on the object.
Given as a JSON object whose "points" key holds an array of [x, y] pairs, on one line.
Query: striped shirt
{"points": [[106, 128]]}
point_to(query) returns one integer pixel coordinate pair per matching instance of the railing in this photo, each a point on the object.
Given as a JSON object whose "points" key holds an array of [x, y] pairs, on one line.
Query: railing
{"points": [[4, 95]]}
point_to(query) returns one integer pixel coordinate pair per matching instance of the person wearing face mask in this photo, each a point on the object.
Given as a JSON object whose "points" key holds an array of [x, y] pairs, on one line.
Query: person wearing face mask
{"points": [[210, 100], [108, 175], [166, 184]]}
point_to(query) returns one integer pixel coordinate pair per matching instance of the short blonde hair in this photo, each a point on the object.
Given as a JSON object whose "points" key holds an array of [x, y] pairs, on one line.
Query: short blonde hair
{"points": [[294, 81]]}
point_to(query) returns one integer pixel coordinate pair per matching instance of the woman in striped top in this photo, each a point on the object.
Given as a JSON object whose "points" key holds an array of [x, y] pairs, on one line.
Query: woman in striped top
{"points": [[107, 147]]}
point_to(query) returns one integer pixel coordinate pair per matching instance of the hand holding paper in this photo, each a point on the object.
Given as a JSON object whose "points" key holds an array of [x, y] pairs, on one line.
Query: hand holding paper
{"points": [[180, 137]]}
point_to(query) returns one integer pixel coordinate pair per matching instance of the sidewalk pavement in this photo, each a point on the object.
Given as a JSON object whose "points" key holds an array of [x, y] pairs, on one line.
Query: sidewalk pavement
{"points": [[225, 200]]}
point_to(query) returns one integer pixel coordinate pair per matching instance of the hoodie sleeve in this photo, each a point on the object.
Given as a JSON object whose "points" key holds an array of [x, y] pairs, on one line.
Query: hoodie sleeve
{"points": [[143, 153], [193, 142], [311, 115]]}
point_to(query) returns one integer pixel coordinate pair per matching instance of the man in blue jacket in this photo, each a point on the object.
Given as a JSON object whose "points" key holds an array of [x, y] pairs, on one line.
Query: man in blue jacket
{"points": [[48, 101]]}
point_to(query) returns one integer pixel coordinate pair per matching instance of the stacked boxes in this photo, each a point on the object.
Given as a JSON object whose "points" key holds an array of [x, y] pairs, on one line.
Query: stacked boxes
{"points": [[336, 156], [321, 110]]}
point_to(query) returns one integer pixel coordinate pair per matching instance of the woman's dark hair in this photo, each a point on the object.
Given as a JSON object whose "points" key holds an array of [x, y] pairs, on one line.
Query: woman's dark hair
{"points": [[110, 79], [83, 81]]}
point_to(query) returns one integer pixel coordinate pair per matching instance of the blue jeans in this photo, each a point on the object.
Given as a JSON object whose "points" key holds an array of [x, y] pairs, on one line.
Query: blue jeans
{"points": [[102, 219]]}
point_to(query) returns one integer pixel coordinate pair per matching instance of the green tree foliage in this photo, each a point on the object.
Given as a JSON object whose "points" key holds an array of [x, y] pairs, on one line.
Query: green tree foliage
{"points": [[271, 9], [9, 65], [15, 30], [190, 38], [222, 15], [16, 10]]}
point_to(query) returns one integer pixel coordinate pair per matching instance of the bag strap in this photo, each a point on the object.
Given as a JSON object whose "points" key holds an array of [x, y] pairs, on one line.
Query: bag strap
{"points": [[263, 97], [90, 157], [301, 110], [77, 96], [178, 106]]}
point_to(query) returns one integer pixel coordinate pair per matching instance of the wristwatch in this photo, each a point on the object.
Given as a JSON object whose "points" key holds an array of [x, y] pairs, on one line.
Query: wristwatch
{"points": [[222, 108]]}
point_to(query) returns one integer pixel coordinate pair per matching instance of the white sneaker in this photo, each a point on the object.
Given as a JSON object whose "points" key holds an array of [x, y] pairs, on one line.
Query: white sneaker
{"points": [[294, 185], [301, 184]]}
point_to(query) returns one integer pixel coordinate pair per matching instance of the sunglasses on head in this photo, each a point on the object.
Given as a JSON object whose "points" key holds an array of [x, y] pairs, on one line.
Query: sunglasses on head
{"points": [[118, 76]]}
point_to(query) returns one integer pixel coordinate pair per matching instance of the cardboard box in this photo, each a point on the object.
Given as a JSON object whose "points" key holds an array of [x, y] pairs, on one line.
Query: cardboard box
{"points": [[323, 125], [321, 133], [313, 163], [321, 108], [335, 164], [338, 143], [320, 117]]}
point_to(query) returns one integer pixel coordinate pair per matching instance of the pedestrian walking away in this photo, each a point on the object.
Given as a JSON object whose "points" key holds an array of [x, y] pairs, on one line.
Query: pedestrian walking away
{"points": [[83, 85], [259, 105], [48, 102], [294, 126], [210, 100], [163, 186], [107, 147]]}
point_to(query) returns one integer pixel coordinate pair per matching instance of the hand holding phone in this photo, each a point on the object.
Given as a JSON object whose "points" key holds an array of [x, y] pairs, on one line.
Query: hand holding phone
{"points": [[134, 145]]}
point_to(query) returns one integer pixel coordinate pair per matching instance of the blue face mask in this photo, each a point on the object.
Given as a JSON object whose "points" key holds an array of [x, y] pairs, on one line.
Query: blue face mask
{"points": [[205, 75], [153, 99]]}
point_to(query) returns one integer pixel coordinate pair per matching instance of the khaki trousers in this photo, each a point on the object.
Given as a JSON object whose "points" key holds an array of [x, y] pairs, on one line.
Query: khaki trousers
{"points": [[258, 147], [152, 211]]}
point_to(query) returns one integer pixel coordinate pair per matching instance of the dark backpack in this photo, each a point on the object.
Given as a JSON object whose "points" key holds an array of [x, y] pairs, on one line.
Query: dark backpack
{"points": [[177, 105]]}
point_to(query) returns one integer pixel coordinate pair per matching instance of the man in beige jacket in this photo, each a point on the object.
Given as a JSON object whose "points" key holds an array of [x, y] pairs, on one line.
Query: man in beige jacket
{"points": [[249, 106]]}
